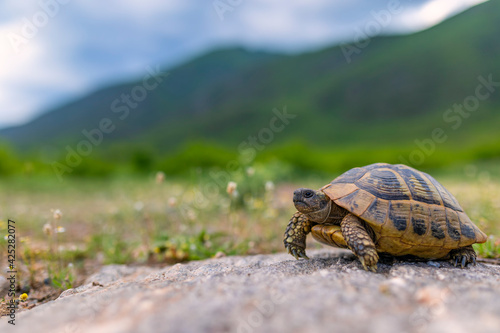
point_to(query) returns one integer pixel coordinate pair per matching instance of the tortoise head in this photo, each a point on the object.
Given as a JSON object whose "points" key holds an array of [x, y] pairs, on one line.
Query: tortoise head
{"points": [[315, 204]]}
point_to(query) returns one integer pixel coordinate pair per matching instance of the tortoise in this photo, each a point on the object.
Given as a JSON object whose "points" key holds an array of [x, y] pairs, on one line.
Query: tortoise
{"points": [[393, 210]]}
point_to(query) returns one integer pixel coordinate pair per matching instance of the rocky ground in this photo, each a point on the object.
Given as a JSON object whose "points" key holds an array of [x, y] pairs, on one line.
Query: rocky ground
{"points": [[275, 293]]}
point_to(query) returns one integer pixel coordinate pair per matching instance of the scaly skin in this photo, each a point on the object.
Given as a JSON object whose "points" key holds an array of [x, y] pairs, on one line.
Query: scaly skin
{"points": [[295, 235], [359, 241], [463, 256]]}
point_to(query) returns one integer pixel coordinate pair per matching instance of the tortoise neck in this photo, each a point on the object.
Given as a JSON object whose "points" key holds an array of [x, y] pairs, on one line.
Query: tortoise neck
{"points": [[335, 214], [321, 215]]}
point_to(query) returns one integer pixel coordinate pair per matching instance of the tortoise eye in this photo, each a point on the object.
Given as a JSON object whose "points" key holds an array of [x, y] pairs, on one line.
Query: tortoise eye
{"points": [[308, 194]]}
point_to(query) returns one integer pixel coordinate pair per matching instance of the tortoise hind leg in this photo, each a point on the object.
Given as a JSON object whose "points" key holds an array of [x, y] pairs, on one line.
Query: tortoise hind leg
{"points": [[463, 256], [359, 241]]}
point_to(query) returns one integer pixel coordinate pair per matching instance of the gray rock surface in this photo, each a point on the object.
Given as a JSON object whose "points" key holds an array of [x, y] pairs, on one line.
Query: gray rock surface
{"points": [[276, 293]]}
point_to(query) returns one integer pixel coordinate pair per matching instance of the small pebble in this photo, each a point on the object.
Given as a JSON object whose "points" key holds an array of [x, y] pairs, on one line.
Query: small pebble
{"points": [[393, 285], [434, 264], [25, 289], [323, 272], [220, 254], [431, 295]]}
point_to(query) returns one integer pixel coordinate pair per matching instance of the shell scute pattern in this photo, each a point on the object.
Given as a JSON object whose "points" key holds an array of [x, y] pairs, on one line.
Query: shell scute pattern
{"points": [[398, 214], [420, 218], [385, 184], [419, 187], [401, 202], [377, 211], [358, 201]]}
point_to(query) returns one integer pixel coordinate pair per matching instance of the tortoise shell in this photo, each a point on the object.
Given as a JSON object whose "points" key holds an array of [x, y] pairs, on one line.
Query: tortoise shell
{"points": [[409, 211]]}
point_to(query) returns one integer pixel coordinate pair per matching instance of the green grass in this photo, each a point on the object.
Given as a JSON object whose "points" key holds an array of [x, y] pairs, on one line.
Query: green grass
{"points": [[135, 219], [490, 249], [285, 161]]}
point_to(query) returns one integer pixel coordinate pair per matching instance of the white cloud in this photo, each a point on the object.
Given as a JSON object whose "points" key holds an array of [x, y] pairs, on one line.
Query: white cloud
{"points": [[29, 77], [67, 54], [433, 12]]}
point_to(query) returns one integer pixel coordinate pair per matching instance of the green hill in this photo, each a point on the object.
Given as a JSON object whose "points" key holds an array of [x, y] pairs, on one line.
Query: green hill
{"points": [[390, 98]]}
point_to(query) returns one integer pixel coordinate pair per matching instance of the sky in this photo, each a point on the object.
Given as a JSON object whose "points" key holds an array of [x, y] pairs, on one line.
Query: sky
{"points": [[53, 51]]}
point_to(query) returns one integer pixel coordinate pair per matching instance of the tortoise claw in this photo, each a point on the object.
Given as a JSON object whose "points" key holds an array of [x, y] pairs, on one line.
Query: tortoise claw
{"points": [[362, 260], [460, 260], [369, 260], [372, 267], [296, 251], [463, 256]]}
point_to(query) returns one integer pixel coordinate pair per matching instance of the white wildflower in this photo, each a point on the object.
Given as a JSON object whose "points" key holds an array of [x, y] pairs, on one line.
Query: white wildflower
{"points": [[57, 214], [160, 177], [172, 202], [250, 171], [138, 206], [47, 229], [231, 187], [269, 186]]}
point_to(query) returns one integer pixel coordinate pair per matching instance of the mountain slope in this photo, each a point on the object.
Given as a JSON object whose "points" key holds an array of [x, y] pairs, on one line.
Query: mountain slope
{"points": [[396, 90], [66, 123]]}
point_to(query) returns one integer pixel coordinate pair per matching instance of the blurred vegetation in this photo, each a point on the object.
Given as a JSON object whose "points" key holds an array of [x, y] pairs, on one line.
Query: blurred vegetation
{"points": [[196, 247], [490, 249], [160, 216], [294, 159]]}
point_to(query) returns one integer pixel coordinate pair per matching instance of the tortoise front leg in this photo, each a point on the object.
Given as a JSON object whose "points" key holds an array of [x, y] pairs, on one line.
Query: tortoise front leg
{"points": [[359, 241], [295, 235]]}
